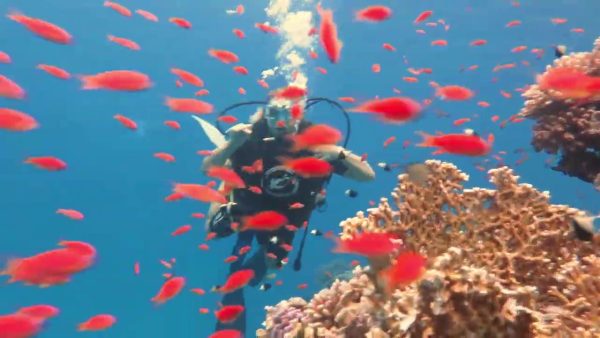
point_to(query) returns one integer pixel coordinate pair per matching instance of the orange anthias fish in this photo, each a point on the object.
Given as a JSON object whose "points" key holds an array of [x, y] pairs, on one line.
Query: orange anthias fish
{"points": [[567, 83], [423, 16], [308, 167], [199, 192], [181, 22], [39, 311], [18, 325], [71, 213], [55, 71], [127, 43], [43, 29], [264, 221], [454, 93], [10, 89], [226, 175], [188, 77], [458, 144], [407, 268], [97, 323], [124, 11], [50, 163], [147, 15], [393, 109], [229, 313], [236, 280], [118, 80], [170, 288], [224, 56], [367, 244], [316, 135], [185, 105], [373, 13], [15, 120], [328, 35], [126, 122], [51, 267], [289, 93]]}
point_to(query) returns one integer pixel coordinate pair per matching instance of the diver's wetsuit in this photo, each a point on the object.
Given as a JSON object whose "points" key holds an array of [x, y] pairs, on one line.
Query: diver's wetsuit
{"points": [[280, 187]]}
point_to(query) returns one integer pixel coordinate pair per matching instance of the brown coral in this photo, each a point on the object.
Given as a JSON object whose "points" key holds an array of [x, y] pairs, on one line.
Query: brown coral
{"points": [[565, 126], [503, 263]]}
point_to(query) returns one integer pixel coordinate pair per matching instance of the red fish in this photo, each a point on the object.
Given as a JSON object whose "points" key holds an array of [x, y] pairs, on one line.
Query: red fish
{"points": [[181, 230], [165, 157], [478, 42], [229, 333], [97, 323], [181, 22], [454, 93], [239, 33], [19, 326], [244, 250], [55, 71], [173, 124], [459, 122], [4, 57], [188, 77], [296, 205], [266, 28], [423, 16], [229, 313], [186, 105], [201, 92], [200, 192], [10, 89], [236, 280], [136, 268], [51, 267], [43, 29], [264, 221], [569, 83], [226, 175], [407, 268], [315, 135], [389, 47], [308, 167], [71, 213], [440, 42], [289, 93], [170, 288], [14, 120], [224, 56], [229, 119], [39, 311], [124, 11], [367, 244], [125, 121], [458, 144], [47, 162], [389, 141], [513, 23], [198, 291], [373, 13], [147, 15], [328, 35], [240, 70], [124, 42], [394, 109], [118, 80]]}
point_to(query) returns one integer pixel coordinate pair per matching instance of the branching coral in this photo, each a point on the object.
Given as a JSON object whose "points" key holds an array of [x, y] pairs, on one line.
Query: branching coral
{"points": [[502, 263], [566, 126]]}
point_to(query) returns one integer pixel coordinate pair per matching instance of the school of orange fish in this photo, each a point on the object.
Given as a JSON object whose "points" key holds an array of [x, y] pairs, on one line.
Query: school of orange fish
{"points": [[59, 266]]}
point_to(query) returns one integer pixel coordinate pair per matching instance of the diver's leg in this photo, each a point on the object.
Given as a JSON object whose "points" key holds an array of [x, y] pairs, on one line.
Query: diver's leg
{"points": [[237, 297]]}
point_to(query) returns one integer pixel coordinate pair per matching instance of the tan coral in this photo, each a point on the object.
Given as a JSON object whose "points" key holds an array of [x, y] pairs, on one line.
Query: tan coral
{"points": [[503, 262]]}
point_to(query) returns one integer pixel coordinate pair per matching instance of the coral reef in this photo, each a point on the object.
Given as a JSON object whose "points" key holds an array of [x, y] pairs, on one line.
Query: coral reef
{"points": [[501, 263], [566, 126]]}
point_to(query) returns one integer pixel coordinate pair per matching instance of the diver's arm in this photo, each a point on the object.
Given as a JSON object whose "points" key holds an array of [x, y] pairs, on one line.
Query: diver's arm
{"points": [[356, 168], [238, 134]]}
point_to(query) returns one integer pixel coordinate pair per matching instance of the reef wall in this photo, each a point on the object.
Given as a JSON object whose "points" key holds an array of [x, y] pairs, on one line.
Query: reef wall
{"points": [[568, 127], [502, 262]]}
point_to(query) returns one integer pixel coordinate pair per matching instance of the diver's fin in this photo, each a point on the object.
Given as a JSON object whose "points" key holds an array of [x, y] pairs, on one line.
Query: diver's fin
{"points": [[213, 134]]}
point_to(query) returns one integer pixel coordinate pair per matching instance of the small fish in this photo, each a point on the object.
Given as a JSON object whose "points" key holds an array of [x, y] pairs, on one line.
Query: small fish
{"points": [[170, 288], [224, 56], [308, 167], [14, 120], [188, 77], [583, 226], [71, 213], [394, 109], [407, 268], [264, 221], [235, 281], [181, 230], [367, 244], [351, 193], [373, 13], [43, 29], [458, 144], [117, 80], [118, 8], [328, 35], [55, 71], [147, 15], [229, 313], [97, 323], [423, 16], [127, 43], [181, 22], [227, 175], [454, 93], [188, 105], [50, 163], [10, 89], [126, 122]]}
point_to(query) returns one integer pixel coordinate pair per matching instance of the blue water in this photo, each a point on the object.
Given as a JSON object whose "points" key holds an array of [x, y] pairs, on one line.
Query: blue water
{"points": [[116, 182]]}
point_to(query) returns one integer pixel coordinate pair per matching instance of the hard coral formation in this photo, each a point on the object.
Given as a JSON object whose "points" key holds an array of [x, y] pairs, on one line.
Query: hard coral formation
{"points": [[501, 263], [566, 126]]}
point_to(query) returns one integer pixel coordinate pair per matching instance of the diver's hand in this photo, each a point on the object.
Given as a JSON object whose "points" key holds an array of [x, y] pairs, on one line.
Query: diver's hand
{"points": [[329, 152], [239, 133]]}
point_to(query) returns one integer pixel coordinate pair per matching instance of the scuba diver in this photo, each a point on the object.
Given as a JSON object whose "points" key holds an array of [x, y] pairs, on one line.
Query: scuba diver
{"points": [[267, 138]]}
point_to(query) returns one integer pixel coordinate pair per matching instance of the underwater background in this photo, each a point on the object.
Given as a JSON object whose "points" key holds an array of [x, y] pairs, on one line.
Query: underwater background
{"points": [[113, 178]]}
